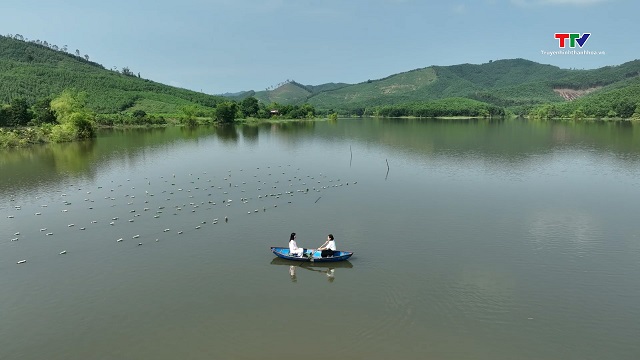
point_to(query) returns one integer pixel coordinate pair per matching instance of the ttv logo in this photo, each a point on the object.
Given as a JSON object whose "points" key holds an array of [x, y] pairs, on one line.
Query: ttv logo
{"points": [[573, 39]]}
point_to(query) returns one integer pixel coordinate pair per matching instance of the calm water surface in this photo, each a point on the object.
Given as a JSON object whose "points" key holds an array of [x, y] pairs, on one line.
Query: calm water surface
{"points": [[483, 240]]}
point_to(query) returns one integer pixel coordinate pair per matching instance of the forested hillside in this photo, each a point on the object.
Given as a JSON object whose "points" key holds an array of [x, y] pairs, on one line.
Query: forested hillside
{"points": [[517, 84], [33, 71]]}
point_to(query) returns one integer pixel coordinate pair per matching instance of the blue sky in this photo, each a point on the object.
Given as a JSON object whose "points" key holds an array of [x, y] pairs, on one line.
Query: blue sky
{"points": [[232, 45]]}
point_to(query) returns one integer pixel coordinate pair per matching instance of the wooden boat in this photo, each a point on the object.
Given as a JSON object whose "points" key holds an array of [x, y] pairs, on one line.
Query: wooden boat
{"points": [[310, 255], [346, 264]]}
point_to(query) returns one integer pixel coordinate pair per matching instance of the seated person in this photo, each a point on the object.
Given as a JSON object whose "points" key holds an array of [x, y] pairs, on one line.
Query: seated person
{"points": [[329, 247], [294, 250]]}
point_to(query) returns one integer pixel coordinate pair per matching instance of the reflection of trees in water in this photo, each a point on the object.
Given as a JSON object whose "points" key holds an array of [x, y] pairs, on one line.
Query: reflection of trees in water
{"points": [[73, 158], [194, 132], [227, 133], [499, 143], [292, 126], [250, 133], [23, 169]]}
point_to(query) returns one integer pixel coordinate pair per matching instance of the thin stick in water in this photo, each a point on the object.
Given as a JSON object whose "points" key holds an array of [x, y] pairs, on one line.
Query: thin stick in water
{"points": [[351, 159], [387, 160]]}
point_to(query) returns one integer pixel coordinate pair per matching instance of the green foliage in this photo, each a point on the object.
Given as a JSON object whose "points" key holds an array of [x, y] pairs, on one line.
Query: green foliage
{"points": [[287, 93], [226, 112], [189, 112], [9, 139], [139, 114], [249, 107], [617, 100], [516, 84], [68, 103], [5, 118], [19, 112], [130, 120], [578, 114], [545, 112], [42, 113], [333, 116], [442, 108], [34, 71], [304, 111], [189, 121], [24, 136], [63, 133], [76, 121]]}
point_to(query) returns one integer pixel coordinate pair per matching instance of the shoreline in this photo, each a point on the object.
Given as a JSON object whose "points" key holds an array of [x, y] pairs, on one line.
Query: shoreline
{"points": [[39, 135]]}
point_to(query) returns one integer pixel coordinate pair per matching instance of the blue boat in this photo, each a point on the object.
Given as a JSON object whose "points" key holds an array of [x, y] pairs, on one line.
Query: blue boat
{"points": [[311, 255]]}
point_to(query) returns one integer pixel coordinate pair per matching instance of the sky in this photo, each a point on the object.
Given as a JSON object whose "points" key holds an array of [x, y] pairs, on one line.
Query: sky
{"points": [[221, 46]]}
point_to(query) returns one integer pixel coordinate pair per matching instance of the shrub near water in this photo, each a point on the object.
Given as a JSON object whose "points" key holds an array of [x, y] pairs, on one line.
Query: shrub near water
{"points": [[75, 120], [25, 136]]}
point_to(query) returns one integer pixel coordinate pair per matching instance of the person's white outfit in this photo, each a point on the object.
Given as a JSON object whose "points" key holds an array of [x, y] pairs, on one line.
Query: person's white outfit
{"points": [[294, 249], [331, 245]]}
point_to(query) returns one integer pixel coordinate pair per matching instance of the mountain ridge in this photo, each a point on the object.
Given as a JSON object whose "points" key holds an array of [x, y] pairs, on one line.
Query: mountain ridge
{"points": [[506, 82], [34, 71]]}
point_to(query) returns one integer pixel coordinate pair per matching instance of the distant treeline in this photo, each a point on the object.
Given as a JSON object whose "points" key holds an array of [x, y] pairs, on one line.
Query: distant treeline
{"points": [[65, 118], [620, 101], [442, 108], [47, 114]]}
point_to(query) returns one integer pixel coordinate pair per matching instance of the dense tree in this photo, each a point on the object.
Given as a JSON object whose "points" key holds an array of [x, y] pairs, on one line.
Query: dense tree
{"points": [[442, 108], [76, 121], [618, 101], [139, 114], [4, 116], [42, 113], [226, 112], [19, 112], [249, 106]]}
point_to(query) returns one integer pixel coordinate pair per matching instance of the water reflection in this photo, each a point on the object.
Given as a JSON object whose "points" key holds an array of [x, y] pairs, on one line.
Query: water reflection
{"points": [[328, 269], [227, 133], [499, 144], [46, 164], [250, 133]]}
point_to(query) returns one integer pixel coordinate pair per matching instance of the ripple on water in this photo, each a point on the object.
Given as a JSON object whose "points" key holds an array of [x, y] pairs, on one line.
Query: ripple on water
{"points": [[566, 232]]}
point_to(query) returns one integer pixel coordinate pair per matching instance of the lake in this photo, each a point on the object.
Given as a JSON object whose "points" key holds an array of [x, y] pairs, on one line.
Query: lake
{"points": [[473, 239]]}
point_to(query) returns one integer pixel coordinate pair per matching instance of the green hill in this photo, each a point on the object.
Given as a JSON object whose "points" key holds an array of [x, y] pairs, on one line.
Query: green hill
{"points": [[508, 83], [34, 71], [618, 100], [288, 93], [517, 84]]}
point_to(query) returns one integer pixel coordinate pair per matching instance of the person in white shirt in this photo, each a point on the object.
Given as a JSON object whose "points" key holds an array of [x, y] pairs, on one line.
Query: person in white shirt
{"points": [[294, 250], [329, 247]]}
